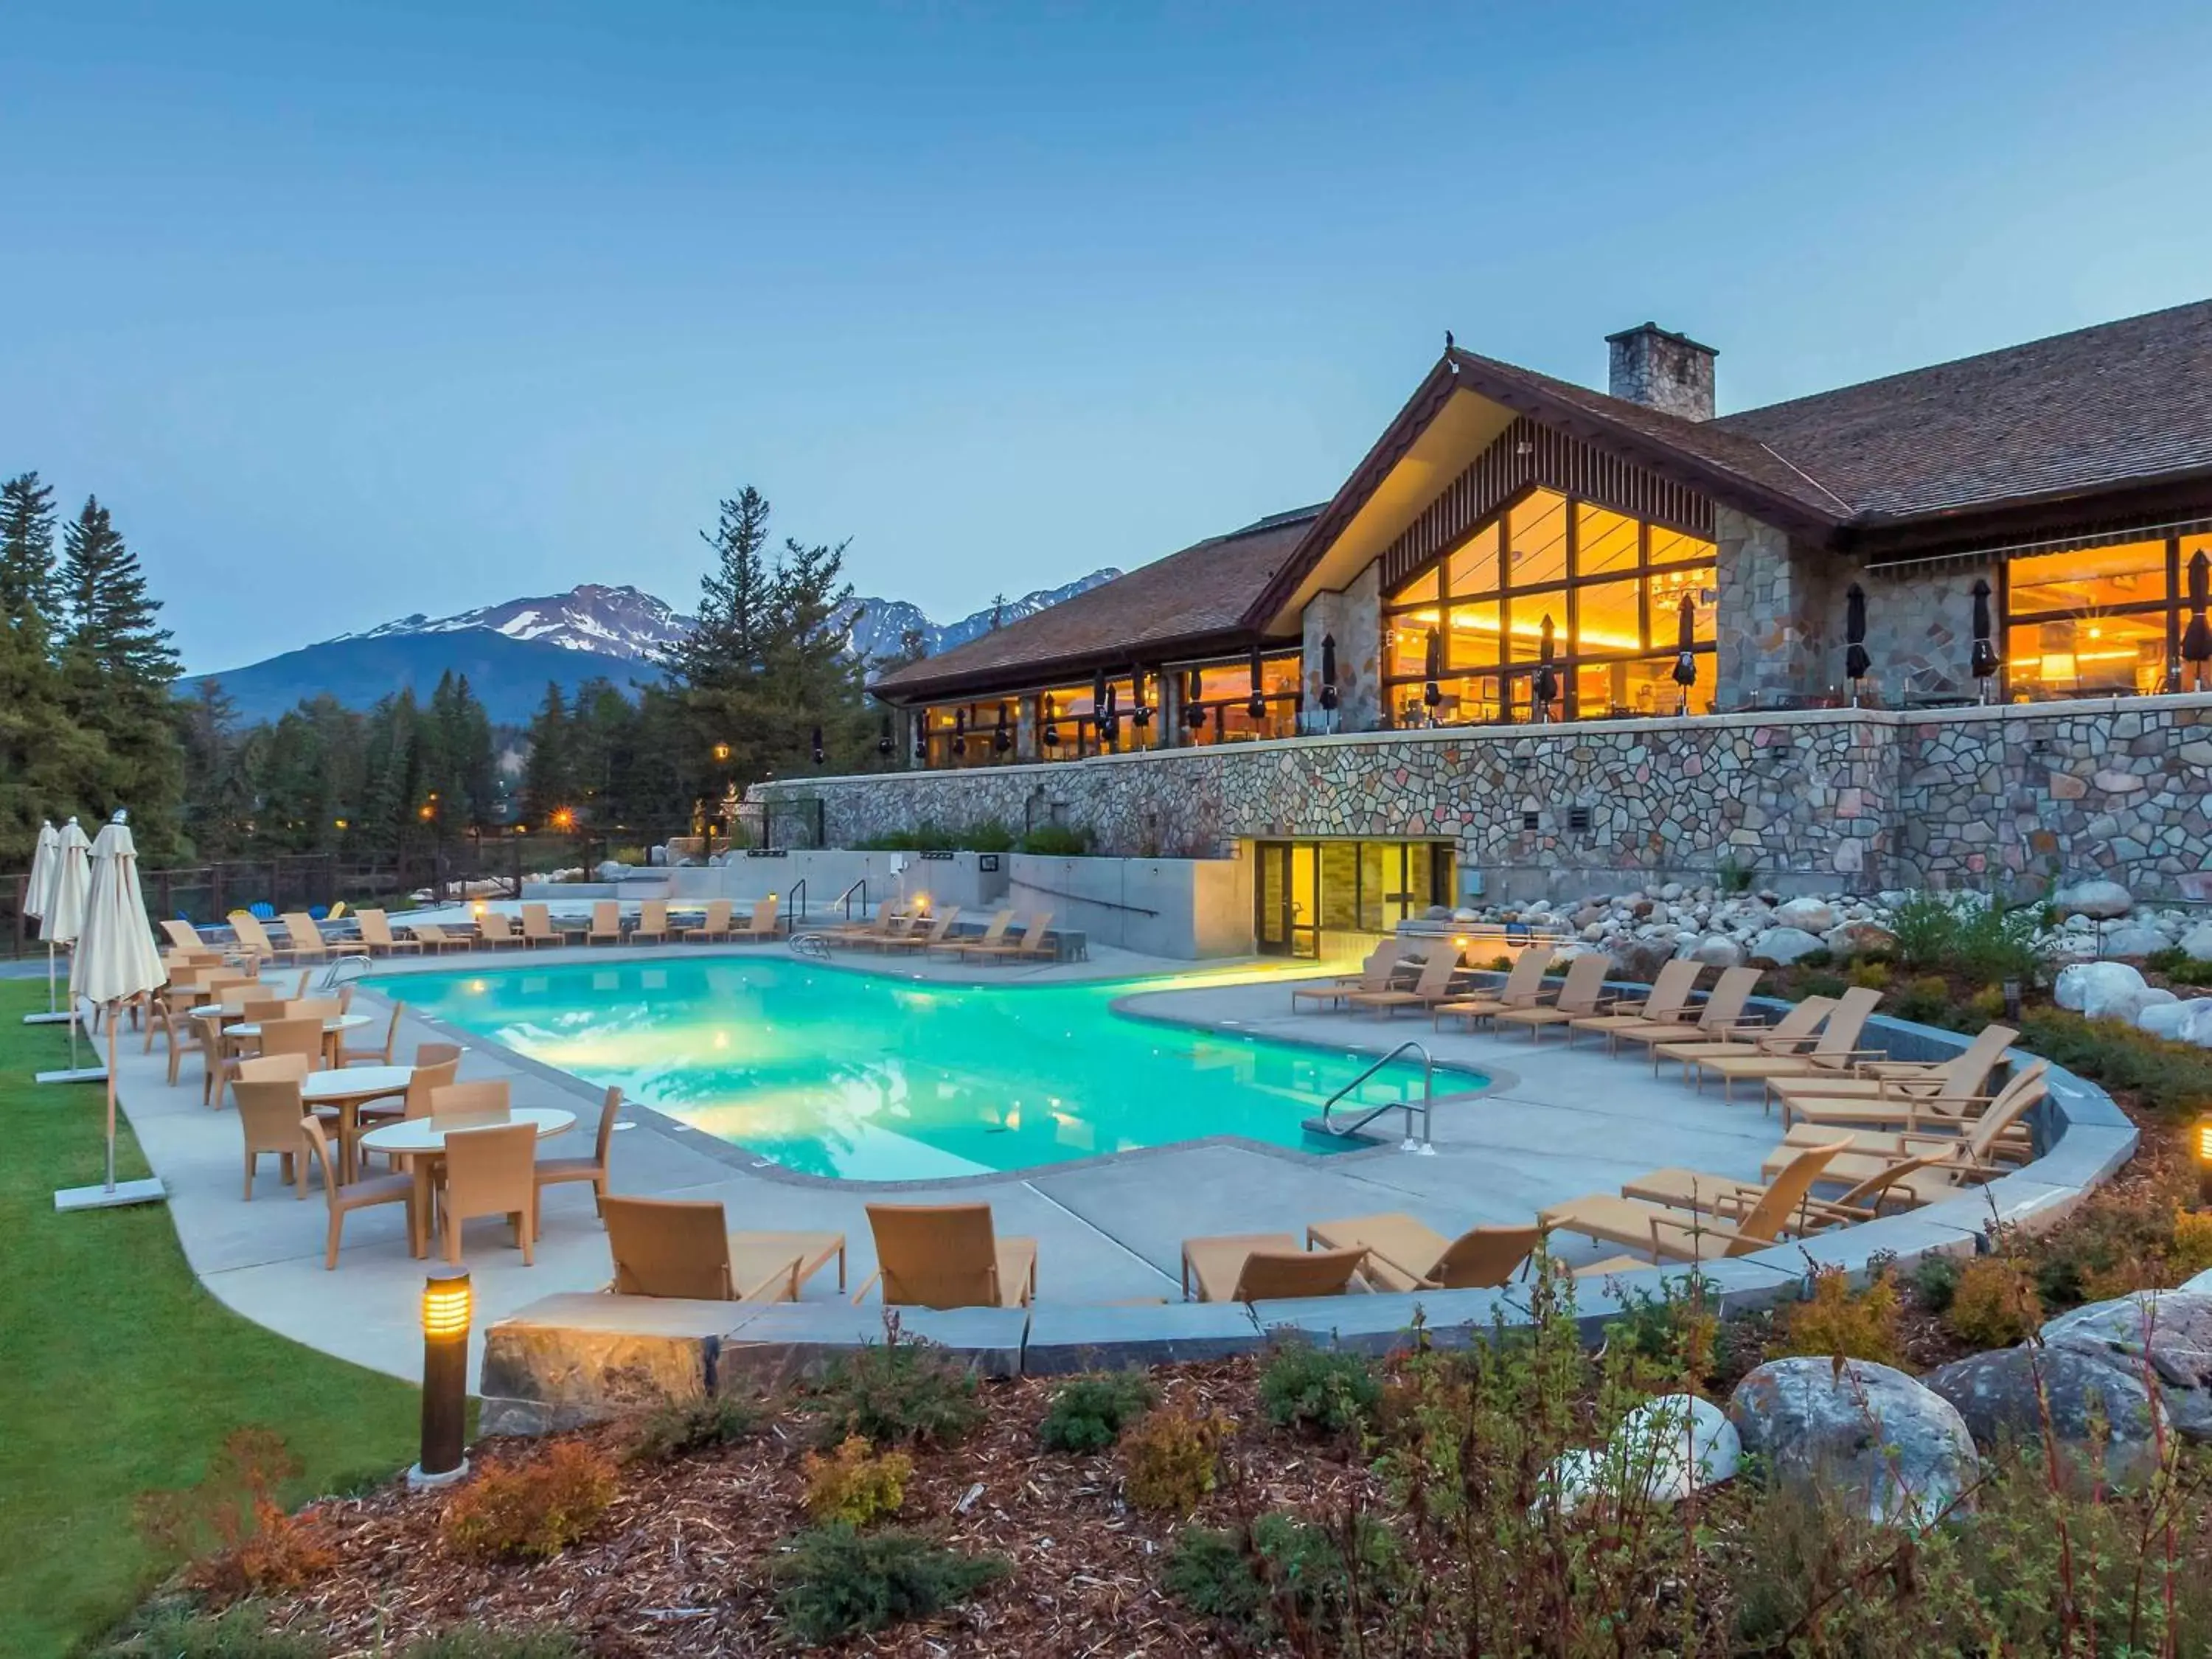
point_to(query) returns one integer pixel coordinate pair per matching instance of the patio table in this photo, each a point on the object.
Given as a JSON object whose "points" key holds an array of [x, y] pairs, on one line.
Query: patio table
{"points": [[349, 1091], [420, 1140]]}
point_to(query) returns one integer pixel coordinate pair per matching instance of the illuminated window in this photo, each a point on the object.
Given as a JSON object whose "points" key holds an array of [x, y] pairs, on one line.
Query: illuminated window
{"points": [[1225, 699], [2095, 622]]}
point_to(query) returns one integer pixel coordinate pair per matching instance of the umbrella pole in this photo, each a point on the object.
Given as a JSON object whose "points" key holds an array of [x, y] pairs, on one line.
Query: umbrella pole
{"points": [[110, 1100], [50, 976]]}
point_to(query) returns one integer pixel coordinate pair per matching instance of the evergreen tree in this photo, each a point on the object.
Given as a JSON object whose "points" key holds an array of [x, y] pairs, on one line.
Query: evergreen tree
{"points": [[26, 554], [49, 762], [218, 793], [548, 783], [736, 600]]}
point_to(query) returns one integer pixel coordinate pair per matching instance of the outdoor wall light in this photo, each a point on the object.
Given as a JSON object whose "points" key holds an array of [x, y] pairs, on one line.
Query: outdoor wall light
{"points": [[2200, 1143], [447, 1312]]}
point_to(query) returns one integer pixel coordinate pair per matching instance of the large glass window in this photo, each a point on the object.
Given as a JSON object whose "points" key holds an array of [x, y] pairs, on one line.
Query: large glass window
{"points": [[969, 733], [2097, 622], [1610, 587], [1068, 726], [1224, 701]]}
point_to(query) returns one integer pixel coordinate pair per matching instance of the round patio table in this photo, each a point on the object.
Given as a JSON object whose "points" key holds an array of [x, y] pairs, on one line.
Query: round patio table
{"points": [[421, 1140], [334, 1029], [349, 1091]]}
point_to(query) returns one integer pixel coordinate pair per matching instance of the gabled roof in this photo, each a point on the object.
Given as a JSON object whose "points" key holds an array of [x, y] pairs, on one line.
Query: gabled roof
{"points": [[1192, 601]]}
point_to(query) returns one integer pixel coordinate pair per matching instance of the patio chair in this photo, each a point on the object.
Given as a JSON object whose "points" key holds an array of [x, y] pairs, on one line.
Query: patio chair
{"points": [[1952, 1114], [1431, 986], [1374, 975], [1832, 1053], [1801, 1019], [1673, 1235], [538, 928], [1960, 1077], [376, 936], [495, 928], [1720, 1196], [1663, 1005], [1524, 987], [1970, 1145], [184, 1034], [423, 1084], [294, 1035], [252, 939], [461, 1105], [362, 1194], [553, 1171], [652, 923], [948, 1255], [433, 939], [606, 923], [1577, 998], [488, 1173], [926, 939], [306, 943], [1720, 1015], [762, 923], [992, 936], [1035, 941], [182, 934], [684, 1248], [1406, 1254], [1265, 1267], [715, 925], [268, 1114]]}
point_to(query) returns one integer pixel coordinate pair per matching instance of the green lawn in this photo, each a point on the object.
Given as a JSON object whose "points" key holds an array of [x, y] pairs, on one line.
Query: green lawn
{"points": [[119, 1374]]}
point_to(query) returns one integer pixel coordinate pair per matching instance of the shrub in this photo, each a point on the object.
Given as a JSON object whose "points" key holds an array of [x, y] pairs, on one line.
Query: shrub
{"points": [[242, 1633], [237, 1537], [1926, 1002], [1208, 1573], [2120, 1241], [1819, 957], [1290, 1565], [538, 1506], [1974, 937], [2178, 965], [1870, 974], [853, 1485], [2173, 1078], [1733, 875], [898, 1393], [1088, 1414], [838, 1582], [1987, 1003], [1677, 1329], [1838, 1321], [680, 1427], [1935, 1282], [1822, 985], [1056, 841], [1994, 1304], [1170, 1460], [475, 1642], [1318, 1391], [2192, 1244]]}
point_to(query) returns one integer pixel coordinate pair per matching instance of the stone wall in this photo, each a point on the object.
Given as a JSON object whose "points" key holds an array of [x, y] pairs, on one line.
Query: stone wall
{"points": [[1772, 620], [1810, 800]]}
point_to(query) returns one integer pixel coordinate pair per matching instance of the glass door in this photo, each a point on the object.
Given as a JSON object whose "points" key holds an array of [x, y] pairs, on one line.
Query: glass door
{"points": [[1305, 899], [1271, 897]]}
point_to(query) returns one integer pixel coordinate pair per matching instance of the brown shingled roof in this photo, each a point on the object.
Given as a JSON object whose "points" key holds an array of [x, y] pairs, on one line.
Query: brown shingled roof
{"points": [[1193, 601], [2102, 407]]}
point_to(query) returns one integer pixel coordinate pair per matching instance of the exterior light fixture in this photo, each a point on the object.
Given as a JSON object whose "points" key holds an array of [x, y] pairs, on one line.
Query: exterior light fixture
{"points": [[446, 1312], [2200, 1144], [2012, 999], [921, 904], [721, 751]]}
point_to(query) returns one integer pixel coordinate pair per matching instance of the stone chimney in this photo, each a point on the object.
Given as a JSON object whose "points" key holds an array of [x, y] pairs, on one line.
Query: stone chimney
{"points": [[1671, 372]]}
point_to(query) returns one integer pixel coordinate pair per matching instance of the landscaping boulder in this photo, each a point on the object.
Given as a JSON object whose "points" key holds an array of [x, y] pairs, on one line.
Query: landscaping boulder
{"points": [[2132, 938], [2101, 990], [2093, 898], [1863, 1428], [1861, 938], [2167, 1019], [2202, 1285], [2197, 942], [1784, 946], [1669, 1447], [2102, 1413], [1813, 916], [609, 870], [1716, 951], [2172, 1328], [1640, 960], [2196, 1024]]}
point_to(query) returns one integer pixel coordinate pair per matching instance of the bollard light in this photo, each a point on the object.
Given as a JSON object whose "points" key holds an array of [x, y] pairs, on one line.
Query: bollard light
{"points": [[2012, 1000], [2200, 1143], [446, 1312]]}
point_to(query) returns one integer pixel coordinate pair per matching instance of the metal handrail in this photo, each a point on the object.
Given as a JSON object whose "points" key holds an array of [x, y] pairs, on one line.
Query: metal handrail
{"points": [[793, 897], [356, 960], [1428, 1097], [845, 898], [809, 945]]}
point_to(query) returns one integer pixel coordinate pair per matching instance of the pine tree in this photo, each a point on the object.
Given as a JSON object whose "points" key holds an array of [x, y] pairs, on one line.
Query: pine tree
{"points": [[218, 796], [548, 784], [26, 554], [737, 600], [49, 763]]}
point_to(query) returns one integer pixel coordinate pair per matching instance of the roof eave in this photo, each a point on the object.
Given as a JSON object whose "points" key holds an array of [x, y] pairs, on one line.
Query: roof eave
{"points": [[1028, 676], [1879, 537]]}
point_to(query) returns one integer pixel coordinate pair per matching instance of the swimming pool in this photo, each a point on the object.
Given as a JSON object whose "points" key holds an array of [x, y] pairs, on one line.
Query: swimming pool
{"points": [[834, 1073]]}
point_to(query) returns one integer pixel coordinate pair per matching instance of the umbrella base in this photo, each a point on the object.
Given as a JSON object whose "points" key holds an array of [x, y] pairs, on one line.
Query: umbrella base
{"points": [[149, 1191], [61, 1017], [80, 1074]]}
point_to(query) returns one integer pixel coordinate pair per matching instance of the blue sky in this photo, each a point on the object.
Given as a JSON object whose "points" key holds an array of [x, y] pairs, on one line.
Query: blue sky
{"points": [[351, 311]]}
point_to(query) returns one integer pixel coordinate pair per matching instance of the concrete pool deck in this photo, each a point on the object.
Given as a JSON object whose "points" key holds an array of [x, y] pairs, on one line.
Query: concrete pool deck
{"points": [[1556, 1123]]}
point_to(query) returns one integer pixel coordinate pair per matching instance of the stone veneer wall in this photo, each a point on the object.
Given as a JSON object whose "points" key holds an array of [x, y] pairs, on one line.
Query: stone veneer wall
{"points": [[1771, 621], [1859, 798]]}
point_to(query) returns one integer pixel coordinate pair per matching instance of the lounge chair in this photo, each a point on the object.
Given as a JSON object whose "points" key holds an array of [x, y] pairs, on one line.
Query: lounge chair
{"points": [[1915, 1115], [252, 939], [1970, 1145], [1036, 943], [307, 942], [1406, 1254], [1431, 987], [1832, 1053], [1871, 1192], [433, 939], [928, 938], [182, 934], [887, 920], [947, 1255], [376, 937], [1374, 975], [1800, 1019], [1719, 1015], [684, 1248], [1961, 1076], [495, 928], [652, 923], [1663, 1005], [362, 1194], [993, 934], [715, 925], [1265, 1267], [1524, 987], [1670, 1234], [761, 924], [1577, 998], [606, 922]]}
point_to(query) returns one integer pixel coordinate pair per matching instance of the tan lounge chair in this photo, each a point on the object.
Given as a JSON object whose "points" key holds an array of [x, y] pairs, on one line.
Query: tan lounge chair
{"points": [[1832, 1053], [1801, 1019], [1960, 1077], [993, 934], [435, 939], [762, 925], [1665, 1003], [947, 1255], [606, 923], [1577, 998], [1669, 1234], [924, 940], [252, 939], [1406, 1254], [1884, 1180], [888, 920], [1720, 1015], [1524, 988], [1375, 975], [1934, 1115], [1969, 1147], [684, 1248], [365, 1193], [652, 923], [182, 934], [308, 944], [1035, 943], [715, 925], [376, 936], [495, 928], [1265, 1267], [1431, 987], [538, 928]]}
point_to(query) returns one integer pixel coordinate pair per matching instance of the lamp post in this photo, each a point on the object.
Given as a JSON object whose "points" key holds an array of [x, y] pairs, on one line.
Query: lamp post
{"points": [[2200, 1145], [445, 1318]]}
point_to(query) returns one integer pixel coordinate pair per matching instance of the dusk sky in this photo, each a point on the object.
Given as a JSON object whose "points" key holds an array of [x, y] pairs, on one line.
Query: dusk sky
{"points": [[353, 311]]}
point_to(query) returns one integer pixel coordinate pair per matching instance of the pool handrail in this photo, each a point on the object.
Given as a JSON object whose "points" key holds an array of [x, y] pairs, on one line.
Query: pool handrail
{"points": [[1428, 1099]]}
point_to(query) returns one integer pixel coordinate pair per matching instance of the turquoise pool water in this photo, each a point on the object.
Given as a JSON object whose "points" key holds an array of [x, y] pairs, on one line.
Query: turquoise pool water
{"points": [[840, 1074]]}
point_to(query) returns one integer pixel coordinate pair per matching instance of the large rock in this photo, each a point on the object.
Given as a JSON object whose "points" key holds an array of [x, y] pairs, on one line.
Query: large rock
{"points": [[610, 871], [1668, 1447], [2200, 1284], [1640, 960], [2102, 1414], [2101, 990], [2168, 1019], [1813, 916], [1717, 951], [2093, 898], [2171, 1329], [2197, 942], [1861, 938], [1784, 946], [2132, 938], [1901, 1449]]}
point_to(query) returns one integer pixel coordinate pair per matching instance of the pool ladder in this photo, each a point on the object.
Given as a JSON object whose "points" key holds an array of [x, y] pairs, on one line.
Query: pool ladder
{"points": [[335, 974], [1424, 1145]]}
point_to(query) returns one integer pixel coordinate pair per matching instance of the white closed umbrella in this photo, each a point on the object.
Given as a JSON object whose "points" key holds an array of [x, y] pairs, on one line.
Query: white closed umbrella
{"points": [[114, 960], [63, 918], [37, 894]]}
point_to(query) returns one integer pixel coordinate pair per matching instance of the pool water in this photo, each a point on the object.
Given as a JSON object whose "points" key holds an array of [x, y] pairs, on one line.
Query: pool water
{"points": [[834, 1073]]}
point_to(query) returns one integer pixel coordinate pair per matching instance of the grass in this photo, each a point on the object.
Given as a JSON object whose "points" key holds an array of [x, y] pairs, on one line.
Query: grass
{"points": [[122, 1374]]}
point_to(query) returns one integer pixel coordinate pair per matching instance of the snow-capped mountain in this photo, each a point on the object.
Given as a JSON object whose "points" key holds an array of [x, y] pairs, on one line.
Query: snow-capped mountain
{"points": [[624, 622]]}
